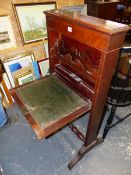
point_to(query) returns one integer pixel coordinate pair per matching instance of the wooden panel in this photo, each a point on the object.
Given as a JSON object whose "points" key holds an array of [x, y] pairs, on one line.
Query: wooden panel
{"points": [[87, 35]]}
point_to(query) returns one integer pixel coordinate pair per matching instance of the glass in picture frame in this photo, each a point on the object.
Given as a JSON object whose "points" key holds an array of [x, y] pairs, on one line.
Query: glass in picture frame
{"points": [[44, 66], [25, 79], [32, 21]]}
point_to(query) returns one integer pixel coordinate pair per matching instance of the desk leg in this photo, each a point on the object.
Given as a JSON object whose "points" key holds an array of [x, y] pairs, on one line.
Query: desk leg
{"points": [[83, 150]]}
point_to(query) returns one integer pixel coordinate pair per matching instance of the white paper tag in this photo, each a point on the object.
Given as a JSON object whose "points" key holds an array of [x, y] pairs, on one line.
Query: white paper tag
{"points": [[69, 29]]}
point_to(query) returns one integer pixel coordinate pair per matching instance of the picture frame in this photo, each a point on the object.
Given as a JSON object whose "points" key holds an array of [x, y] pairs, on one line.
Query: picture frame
{"points": [[44, 66], [46, 48], [25, 79], [5, 94], [81, 9], [18, 66], [7, 37], [31, 20]]}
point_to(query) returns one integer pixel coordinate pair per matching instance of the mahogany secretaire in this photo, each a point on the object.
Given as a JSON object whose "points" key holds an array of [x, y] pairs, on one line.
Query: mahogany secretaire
{"points": [[83, 52]]}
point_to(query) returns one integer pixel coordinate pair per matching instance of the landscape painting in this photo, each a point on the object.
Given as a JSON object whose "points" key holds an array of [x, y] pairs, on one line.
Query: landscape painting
{"points": [[32, 21], [7, 39]]}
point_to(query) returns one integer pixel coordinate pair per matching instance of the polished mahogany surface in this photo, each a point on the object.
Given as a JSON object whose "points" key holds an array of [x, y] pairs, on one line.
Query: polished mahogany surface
{"points": [[83, 52], [95, 23]]}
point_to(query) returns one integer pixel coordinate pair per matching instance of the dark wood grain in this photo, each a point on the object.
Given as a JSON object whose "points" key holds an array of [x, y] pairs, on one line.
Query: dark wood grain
{"points": [[83, 53], [95, 36], [105, 10]]}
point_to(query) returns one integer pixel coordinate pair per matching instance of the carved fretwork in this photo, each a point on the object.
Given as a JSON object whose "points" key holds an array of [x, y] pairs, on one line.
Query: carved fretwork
{"points": [[83, 56], [75, 60]]}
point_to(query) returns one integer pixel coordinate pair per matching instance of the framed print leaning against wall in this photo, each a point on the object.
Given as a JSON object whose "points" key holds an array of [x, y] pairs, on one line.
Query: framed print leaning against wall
{"points": [[31, 20], [25, 79], [44, 66], [7, 38], [19, 66]]}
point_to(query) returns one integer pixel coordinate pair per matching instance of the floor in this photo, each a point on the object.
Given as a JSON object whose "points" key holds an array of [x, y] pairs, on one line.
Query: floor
{"points": [[22, 154]]}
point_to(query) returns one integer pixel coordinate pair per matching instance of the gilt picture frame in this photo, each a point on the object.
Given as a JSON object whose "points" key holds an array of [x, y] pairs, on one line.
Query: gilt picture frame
{"points": [[25, 79], [31, 20], [7, 37]]}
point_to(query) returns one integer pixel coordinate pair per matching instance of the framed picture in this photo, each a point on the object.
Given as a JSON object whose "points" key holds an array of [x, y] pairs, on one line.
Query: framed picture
{"points": [[25, 79], [18, 67], [82, 9], [7, 38], [44, 66], [32, 21]]}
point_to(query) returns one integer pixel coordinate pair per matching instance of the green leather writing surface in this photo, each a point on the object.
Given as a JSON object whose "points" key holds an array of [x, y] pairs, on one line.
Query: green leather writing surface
{"points": [[49, 99]]}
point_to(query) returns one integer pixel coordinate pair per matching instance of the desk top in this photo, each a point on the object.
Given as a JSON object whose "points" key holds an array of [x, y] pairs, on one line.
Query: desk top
{"points": [[49, 100], [102, 25]]}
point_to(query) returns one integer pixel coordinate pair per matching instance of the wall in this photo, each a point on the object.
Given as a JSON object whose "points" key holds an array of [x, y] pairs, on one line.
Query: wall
{"points": [[6, 8]]}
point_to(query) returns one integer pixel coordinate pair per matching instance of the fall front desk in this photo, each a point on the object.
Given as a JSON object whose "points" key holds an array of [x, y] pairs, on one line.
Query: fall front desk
{"points": [[83, 53]]}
